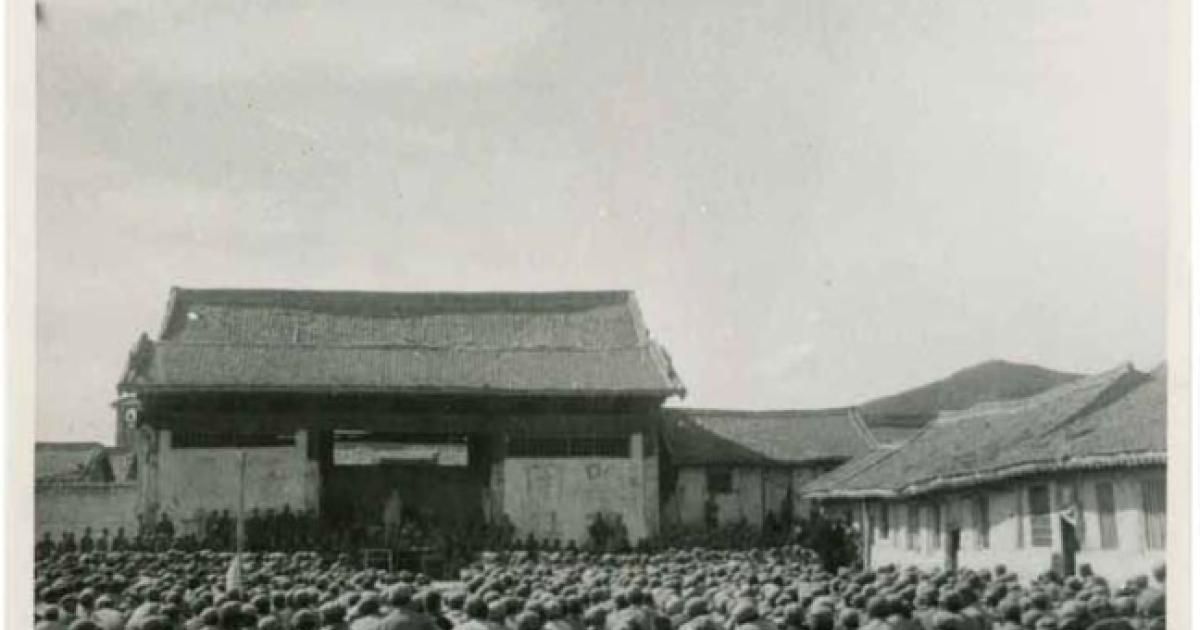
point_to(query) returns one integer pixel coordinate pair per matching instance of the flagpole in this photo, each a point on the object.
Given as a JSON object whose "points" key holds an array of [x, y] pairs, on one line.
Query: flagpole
{"points": [[241, 513], [233, 577]]}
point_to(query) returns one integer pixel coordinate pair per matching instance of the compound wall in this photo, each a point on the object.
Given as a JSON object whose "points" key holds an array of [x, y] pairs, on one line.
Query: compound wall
{"points": [[74, 506], [554, 497]]}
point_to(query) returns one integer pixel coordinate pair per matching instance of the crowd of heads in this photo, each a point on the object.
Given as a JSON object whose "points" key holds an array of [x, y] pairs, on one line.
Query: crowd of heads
{"points": [[781, 588]]}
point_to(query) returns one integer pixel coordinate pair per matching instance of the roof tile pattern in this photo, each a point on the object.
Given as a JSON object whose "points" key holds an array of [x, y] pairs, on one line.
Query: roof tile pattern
{"points": [[1113, 418], [707, 436], [553, 343], [65, 461]]}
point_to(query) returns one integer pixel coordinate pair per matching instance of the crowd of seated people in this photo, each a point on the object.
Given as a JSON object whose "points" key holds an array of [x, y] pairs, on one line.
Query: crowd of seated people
{"points": [[779, 588]]}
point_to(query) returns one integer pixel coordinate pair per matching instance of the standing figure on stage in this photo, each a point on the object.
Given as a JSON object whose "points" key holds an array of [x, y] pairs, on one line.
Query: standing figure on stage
{"points": [[287, 528], [44, 548], [120, 543], [67, 545], [393, 515], [271, 530], [254, 527], [225, 530]]}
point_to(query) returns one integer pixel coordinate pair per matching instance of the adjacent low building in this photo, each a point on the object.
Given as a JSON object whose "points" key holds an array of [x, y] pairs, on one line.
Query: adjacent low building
{"points": [[1074, 475], [729, 467]]}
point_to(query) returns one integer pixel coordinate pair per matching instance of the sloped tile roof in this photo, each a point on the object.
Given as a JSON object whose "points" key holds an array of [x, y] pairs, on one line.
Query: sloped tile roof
{"points": [[712, 436], [841, 476], [66, 461], [893, 434], [554, 343], [1088, 422]]}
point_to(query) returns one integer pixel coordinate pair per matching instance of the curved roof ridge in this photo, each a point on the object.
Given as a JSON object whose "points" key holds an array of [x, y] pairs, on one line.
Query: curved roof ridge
{"points": [[400, 346], [485, 341], [764, 413], [1013, 405]]}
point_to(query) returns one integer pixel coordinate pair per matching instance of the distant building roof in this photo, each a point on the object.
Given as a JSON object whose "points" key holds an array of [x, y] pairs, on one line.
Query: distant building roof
{"points": [[581, 343], [893, 434], [712, 436], [68, 461], [841, 476], [1116, 418]]}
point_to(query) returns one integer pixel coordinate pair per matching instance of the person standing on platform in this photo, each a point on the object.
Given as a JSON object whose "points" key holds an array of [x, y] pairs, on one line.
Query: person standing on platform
{"points": [[44, 548], [67, 545], [225, 531], [120, 542], [253, 531], [165, 528], [287, 528], [393, 514]]}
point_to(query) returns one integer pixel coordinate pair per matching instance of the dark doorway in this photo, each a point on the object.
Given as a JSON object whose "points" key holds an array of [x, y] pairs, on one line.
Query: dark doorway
{"points": [[373, 484], [953, 538], [1070, 546]]}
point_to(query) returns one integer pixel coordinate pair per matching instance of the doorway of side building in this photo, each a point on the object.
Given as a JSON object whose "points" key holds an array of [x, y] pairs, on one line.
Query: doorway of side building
{"points": [[953, 539], [1070, 546]]}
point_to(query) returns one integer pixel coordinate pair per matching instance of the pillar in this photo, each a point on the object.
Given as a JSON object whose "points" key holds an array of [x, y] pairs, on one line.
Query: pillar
{"points": [[498, 452], [306, 458], [146, 452], [645, 474]]}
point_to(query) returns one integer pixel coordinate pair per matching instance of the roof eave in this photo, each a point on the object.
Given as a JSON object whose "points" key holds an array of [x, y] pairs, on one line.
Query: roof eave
{"points": [[1092, 462], [1095, 462], [147, 388], [765, 462]]}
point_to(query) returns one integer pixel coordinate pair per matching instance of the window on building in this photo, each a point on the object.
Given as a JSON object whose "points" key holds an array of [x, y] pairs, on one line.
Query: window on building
{"points": [[983, 523], [935, 526], [574, 446], [914, 527], [720, 480], [1041, 527], [1020, 519], [231, 440], [1107, 511], [1154, 511]]}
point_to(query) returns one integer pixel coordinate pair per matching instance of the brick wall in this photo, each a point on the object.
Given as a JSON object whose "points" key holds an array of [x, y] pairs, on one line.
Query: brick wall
{"points": [[73, 506]]}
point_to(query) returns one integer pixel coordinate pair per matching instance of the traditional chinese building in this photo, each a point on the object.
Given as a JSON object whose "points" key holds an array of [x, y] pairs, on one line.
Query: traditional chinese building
{"points": [[540, 407], [1074, 475]]}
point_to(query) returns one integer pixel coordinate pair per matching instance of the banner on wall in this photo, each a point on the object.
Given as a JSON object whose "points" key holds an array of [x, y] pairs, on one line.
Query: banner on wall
{"points": [[376, 453]]}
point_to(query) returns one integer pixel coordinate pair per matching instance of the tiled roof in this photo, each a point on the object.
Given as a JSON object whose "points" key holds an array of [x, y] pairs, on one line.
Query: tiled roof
{"points": [[554, 343], [66, 461], [893, 434], [1088, 422], [711, 436], [840, 476]]}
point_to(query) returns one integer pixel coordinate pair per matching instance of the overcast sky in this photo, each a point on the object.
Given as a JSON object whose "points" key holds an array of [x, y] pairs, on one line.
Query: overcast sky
{"points": [[816, 202]]}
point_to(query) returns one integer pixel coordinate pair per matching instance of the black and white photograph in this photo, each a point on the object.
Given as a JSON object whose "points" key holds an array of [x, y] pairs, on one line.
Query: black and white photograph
{"points": [[679, 315]]}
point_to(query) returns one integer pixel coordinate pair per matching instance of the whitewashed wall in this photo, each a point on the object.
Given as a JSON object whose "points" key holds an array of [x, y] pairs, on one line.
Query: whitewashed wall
{"points": [[1009, 539], [205, 479], [1132, 556], [553, 497], [755, 493], [60, 507]]}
